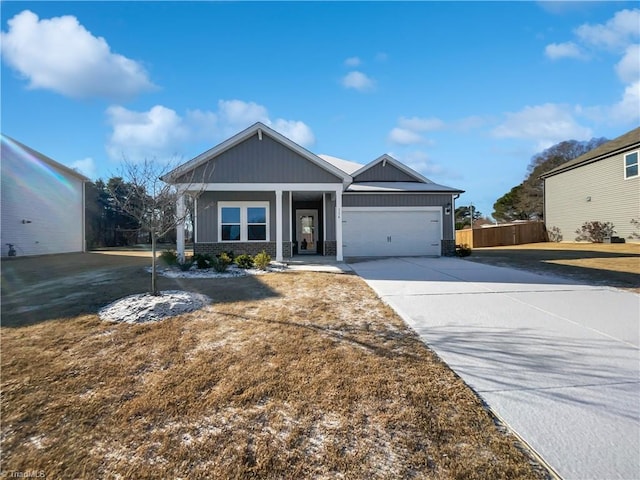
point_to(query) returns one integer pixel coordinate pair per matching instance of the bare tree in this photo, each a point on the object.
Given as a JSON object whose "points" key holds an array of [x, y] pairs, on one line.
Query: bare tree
{"points": [[152, 202]]}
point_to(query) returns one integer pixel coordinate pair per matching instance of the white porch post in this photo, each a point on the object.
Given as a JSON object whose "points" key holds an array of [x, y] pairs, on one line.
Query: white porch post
{"points": [[279, 225], [180, 226], [339, 225]]}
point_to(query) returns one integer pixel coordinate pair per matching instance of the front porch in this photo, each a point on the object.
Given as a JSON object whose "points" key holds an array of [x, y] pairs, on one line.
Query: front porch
{"points": [[286, 221]]}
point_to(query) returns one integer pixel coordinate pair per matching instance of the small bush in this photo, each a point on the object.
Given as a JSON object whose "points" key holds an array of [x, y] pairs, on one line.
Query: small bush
{"points": [[221, 262], [169, 257], [463, 250], [636, 227], [595, 232], [244, 261], [554, 234], [262, 260], [203, 260], [186, 265]]}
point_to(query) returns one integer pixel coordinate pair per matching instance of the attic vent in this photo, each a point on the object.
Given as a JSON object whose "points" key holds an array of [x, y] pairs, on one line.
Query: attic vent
{"points": [[260, 134]]}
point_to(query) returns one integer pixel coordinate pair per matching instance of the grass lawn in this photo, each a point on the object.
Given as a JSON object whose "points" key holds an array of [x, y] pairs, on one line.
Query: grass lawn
{"points": [[613, 265], [287, 375]]}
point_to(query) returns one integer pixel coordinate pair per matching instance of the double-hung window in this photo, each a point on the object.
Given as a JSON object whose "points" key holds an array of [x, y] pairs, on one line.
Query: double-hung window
{"points": [[243, 221], [631, 165]]}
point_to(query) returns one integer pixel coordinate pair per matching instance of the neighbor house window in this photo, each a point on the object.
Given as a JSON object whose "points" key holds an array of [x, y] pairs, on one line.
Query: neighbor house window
{"points": [[631, 165], [243, 221]]}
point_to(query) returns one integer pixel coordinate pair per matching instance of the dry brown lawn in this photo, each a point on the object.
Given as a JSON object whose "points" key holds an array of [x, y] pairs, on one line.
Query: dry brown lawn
{"points": [[291, 375], [615, 265]]}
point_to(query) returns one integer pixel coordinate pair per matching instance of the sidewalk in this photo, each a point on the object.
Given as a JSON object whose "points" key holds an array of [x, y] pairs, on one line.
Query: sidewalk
{"points": [[558, 361]]}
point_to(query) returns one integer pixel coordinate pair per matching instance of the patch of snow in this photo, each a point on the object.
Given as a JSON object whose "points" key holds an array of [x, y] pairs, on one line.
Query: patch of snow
{"points": [[144, 307], [232, 272]]}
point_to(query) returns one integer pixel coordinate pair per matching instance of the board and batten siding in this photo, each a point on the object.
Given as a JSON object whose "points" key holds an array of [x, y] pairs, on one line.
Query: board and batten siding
{"points": [[42, 206], [384, 173], [594, 192], [259, 161], [207, 212], [405, 200]]}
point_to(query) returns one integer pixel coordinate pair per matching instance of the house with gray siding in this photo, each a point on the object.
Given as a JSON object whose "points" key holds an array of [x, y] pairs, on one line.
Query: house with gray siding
{"points": [[601, 185], [43, 203], [259, 190]]}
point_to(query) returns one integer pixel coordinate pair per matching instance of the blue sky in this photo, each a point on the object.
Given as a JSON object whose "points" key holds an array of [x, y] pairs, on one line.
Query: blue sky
{"points": [[464, 92]]}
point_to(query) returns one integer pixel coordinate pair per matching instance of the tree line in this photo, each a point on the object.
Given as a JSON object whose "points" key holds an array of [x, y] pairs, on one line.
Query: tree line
{"points": [[525, 201]]}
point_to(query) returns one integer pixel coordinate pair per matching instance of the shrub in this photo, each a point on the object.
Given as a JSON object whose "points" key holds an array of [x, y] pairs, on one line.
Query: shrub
{"points": [[595, 232], [221, 262], [228, 253], [554, 234], [203, 260], [244, 261], [169, 257], [636, 227], [262, 260], [186, 265], [463, 250]]}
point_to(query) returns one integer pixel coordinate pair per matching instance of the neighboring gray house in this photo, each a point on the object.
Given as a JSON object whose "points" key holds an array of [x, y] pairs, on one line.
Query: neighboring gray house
{"points": [[601, 185], [42, 207], [259, 191]]}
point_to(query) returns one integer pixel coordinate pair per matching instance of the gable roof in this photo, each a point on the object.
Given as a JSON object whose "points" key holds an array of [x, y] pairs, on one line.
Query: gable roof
{"points": [[13, 143], [346, 166], [384, 159], [259, 129], [628, 141]]}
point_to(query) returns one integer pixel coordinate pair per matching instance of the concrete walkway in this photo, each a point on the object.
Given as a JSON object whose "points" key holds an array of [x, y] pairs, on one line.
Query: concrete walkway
{"points": [[558, 361]]}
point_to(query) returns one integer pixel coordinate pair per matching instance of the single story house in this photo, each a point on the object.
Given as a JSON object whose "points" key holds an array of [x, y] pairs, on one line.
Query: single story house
{"points": [[43, 203], [259, 190], [601, 185]]}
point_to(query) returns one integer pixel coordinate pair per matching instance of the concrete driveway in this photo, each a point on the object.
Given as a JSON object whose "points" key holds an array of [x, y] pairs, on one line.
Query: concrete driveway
{"points": [[558, 361]]}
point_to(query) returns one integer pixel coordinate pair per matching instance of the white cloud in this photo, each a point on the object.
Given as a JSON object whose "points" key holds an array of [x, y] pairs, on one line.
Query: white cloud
{"points": [[59, 54], [139, 135], [420, 162], [409, 129], [556, 51], [161, 133], [418, 124], [615, 34], [628, 69], [618, 36], [353, 61], [546, 124], [238, 114], [86, 166], [627, 110], [403, 136], [358, 81], [296, 131]]}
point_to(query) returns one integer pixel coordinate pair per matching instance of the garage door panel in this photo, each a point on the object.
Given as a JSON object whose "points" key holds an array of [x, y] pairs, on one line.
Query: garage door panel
{"points": [[391, 232]]}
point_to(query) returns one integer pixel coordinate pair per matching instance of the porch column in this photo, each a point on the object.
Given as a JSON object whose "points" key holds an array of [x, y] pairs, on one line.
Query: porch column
{"points": [[180, 213], [339, 225], [279, 226]]}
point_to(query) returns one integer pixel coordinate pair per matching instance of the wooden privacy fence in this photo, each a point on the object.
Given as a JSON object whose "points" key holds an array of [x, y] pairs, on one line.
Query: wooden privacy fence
{"points": [[499, 235]]}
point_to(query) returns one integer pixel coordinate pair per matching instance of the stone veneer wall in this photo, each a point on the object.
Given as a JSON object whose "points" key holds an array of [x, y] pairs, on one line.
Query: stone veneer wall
{"points": [[238, 248], [330, 248], [448, 248]]}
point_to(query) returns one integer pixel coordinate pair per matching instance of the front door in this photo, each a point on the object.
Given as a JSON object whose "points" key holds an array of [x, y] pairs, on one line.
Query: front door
{"points": [[307, 231]]}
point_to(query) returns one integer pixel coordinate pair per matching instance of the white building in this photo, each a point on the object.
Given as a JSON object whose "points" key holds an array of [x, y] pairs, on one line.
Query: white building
{"points": [[43, 205]]}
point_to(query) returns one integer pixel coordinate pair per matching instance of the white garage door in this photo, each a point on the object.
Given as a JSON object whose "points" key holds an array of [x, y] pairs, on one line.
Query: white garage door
{"points": [[390, 232]]}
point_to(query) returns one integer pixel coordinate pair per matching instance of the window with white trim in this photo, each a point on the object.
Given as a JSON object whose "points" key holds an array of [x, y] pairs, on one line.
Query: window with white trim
{"points": [[631, 165], [243, 221]]}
